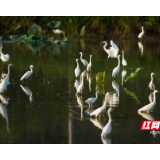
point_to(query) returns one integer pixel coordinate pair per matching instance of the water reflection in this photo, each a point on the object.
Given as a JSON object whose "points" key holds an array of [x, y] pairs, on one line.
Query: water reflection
{"points": [[116, 87], [150, 117], [3, 112], [150, 97], [4, 99], [76, 84], [123, 74], [132, 94], [89, 79], [140, 45], [80, 101], [27, 91]]}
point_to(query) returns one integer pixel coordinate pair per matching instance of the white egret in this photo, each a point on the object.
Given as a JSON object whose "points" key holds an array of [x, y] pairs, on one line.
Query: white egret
{"points": [[99, 110], [3, 75], [85, 63], [89, 66], [91, 101], [4, 57], [27, 91], [151, 84], [77, 70], [108, 127], [141, 34], [58, 31], [5, 82], [4, 99], [114, 46], [81, 86], [27, 74], [150, 106], [123, 74], [112, 52], [116, 69], [76, 83], [3, 112], [124, 62]]}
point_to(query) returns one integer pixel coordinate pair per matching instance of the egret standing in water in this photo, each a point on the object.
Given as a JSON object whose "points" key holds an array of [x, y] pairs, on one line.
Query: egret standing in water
{"points": [[4, 57], [77, 70], [90, 64], [151, 84], [99, 110], [28, 74], [108, 127], [91, 101], [124, 62], [141, 34], [117, 69], [85, 63], [81, 86], [149, 107], [5, 82]]}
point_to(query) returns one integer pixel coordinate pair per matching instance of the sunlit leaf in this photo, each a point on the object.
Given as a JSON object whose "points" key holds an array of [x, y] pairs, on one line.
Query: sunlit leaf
{"points": [[82, 34], [100, 88], [100, 77], [133, 75]]}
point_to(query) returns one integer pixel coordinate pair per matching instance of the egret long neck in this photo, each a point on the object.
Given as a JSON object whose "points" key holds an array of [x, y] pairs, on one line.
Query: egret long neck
{"points": [[118, 62], [96, 95], [8, 75], [31, 69], [142, 30], [77, 64], [154, 98], [90, 60], [109, 114], [151, 78]]}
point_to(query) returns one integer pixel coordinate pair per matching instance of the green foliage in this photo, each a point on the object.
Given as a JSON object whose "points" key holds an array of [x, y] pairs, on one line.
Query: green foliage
{"points": [[35, 30], [54, 24], [132, 94], [82, 34], [100, 77], [133, 75], [100, 88]]}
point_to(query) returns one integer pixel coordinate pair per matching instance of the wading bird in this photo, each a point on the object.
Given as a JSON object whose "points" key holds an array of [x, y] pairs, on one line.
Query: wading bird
{"points": [[116, 69], [91, 101], [4, 57], [5, 82], [151, 84], [81, 86], [27, 74], [141, 34], [85, 63], [149, 107], [77, 70], [124, 62]]}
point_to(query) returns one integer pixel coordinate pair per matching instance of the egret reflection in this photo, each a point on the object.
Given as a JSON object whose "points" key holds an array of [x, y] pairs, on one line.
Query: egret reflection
{"points": [[141, 48], [123, 74], [3, 112], [27, 91]]}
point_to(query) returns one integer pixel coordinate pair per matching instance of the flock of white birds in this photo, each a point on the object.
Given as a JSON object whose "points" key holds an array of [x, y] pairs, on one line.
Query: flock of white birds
{"points": [[112, 52]]}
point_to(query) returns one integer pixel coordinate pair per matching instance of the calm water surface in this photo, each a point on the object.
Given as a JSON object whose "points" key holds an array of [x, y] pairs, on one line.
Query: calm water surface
{"points": [[50, 111]]}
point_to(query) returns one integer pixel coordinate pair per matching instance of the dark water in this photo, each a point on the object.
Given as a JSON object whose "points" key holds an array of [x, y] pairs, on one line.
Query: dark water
{"points": [[51, 112]]}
